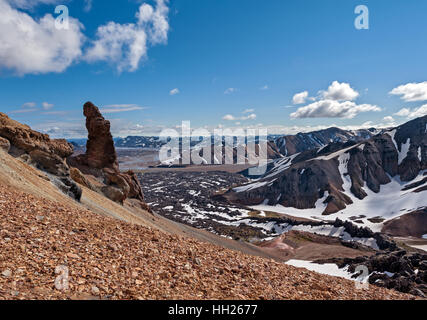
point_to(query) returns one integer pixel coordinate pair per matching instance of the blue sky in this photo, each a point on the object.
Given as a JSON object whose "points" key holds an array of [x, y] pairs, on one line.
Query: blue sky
{"points": [[234, 63]]}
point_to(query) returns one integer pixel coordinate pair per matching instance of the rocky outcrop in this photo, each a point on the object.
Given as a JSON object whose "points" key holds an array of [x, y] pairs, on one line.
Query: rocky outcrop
{"points": [[38, 149], [399, 270], [100, 161]]}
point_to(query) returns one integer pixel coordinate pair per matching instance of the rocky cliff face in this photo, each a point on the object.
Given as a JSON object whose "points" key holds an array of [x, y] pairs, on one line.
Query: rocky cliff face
{"points": [[100, 162], [340, 176], [38, 149]]}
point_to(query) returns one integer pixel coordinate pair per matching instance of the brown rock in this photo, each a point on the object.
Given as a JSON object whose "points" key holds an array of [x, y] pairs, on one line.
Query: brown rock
{"points": [[100, 160], [23, 137], [114, 194], [4, 144], [78, 177], [100, 151], [38, 149]]}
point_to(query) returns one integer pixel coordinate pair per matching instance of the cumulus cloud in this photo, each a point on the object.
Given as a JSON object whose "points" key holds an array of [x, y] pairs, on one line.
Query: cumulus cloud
{"points": [[265, 87], [36, 46], [412, 113], [125, 45], [411, 92], [300, 98], [336, 102], [249, 111], [340, 92], [174, 91], [333, 109]]}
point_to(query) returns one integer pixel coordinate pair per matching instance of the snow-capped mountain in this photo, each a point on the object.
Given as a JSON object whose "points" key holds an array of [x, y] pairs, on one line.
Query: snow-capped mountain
{"points": [[373, 180], [291, 144], [139, 142]]}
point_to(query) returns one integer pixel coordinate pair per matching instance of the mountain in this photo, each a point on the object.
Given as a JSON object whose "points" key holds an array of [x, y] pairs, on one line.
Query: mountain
{"points": [[382, 177], [139, 142], [292, 144]]}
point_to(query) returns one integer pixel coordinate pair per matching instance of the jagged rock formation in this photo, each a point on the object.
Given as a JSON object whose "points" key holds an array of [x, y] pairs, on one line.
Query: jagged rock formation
{"points": [[398, 270], [301, 180], [38, 149], [292, 144], [100, 161]]}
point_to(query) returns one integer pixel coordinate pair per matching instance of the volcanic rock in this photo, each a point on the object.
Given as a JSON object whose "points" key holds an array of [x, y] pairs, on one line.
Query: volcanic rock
{"points": [[4, 144], [100, 161], [38, 149]]}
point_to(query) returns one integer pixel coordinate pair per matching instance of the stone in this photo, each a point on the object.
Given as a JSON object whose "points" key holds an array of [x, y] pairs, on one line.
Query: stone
{"points": [[95, 290], [4, 144], [7, 273]]}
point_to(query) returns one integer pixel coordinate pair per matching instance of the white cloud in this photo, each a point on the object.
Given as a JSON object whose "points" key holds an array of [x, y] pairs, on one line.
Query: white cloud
{"points": [[412, 113], [333, 109], [403, 112], [115, 108], [412, 91], [340, 92], [36, 46], [252, 116], [265, 87], [155, 22], [249, 111], [174, 91], [300, 98], [230, 90], [388, 119], [125, 45], [29, 105], [229, 117], [47, 106], [336, 102]]}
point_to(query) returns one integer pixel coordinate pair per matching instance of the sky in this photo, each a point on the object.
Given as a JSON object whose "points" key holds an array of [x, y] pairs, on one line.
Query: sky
{"points": [[288, 66]]}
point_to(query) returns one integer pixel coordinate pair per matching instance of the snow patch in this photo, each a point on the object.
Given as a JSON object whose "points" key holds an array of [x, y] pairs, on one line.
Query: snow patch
{"points": [[330, 269]]}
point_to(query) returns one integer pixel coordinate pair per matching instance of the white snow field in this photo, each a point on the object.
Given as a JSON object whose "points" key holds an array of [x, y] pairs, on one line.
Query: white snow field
{"points": [[391, 202], [330, 269]]}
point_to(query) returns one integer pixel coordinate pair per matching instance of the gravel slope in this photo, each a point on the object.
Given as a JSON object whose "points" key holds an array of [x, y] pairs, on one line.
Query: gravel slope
{"points": [[111, 259]]}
